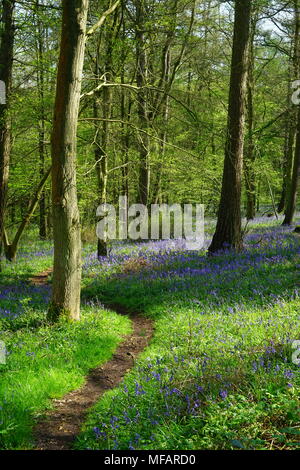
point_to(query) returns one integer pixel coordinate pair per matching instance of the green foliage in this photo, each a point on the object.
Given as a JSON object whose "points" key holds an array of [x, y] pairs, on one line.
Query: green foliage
{"points": [[44, 362], [190, 165], [219, 371]]}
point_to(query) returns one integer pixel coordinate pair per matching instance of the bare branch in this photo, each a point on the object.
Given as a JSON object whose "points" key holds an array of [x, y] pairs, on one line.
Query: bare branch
{"points": [[99, 23], [143, 132]]}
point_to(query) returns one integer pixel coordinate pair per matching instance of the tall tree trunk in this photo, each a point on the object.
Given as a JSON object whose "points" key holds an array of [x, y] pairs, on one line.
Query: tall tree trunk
{"points": [[289, 141], [125, 140], [42, 120], [141, 80], [228, 230], [6, 63], [249, 170], [290, 130], [101, 141], [40, 47], [125, 111], [102, 134], [66, 224], [291, 200], [157, 190]]}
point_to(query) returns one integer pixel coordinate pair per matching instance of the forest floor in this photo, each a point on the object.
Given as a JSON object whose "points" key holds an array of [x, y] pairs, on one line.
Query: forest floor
{"points": [[60, 427], [217, 374]]}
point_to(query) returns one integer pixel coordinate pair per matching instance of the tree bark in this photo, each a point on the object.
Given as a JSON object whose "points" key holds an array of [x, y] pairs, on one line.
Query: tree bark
{"points": [[40, 46], [10, 249], [125, 113], [157, 190], [66, 224], [102, 135], [291, 201], [141, 80], [289, 142], [228, 230], [6, 64], [249, 170], [290, 128]]}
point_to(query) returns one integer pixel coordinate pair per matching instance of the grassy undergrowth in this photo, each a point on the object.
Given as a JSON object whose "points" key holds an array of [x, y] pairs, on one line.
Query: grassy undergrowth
{"points": [[44, 362], [219, 373]]}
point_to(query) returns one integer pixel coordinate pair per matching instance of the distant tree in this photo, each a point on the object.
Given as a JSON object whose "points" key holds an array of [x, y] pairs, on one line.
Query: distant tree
{"points": [[66, 223], [155, 87], [143, 112], [228, 230], [41, 79], [249, 154], [10, 249], [102, 110]]}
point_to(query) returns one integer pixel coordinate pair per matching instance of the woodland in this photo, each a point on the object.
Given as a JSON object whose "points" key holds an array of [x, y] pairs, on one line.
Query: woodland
{"points": [[147, 344]]}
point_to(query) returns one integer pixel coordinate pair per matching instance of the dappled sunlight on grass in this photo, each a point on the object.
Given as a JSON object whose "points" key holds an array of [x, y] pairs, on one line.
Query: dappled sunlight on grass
{"points": [[218, 374]]}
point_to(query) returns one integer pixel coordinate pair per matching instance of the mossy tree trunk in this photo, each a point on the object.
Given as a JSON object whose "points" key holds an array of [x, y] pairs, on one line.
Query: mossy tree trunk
{"points": [[66, 224], [6, 64]]}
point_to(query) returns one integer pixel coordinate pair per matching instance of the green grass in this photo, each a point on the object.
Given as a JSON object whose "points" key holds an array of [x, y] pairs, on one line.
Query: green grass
{"points": [[219, 372], [259, 403], [32, 257], [217, 375], [44, 362], [48, 362]]}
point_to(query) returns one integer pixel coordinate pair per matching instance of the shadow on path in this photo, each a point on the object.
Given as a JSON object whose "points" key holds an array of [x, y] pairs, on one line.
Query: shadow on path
{"points": [[59, 428]]}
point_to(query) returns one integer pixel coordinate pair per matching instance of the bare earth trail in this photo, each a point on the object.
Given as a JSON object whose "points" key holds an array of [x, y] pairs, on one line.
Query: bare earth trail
{"points": [[61, 425]]}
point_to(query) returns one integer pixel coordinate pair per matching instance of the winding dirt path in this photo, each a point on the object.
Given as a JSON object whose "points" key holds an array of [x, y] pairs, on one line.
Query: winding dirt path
{"points": [[59, 428], [41, 278]]}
